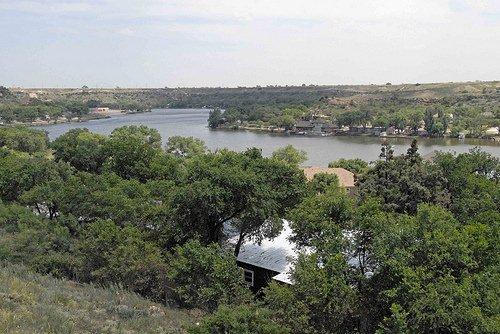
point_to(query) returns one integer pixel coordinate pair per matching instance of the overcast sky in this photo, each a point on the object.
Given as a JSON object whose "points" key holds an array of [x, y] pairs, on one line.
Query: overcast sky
{"points": [[155, 43]]}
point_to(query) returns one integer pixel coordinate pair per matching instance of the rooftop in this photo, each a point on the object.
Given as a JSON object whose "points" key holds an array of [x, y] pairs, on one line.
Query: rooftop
{"points": [[346, 178], [273, 254]]}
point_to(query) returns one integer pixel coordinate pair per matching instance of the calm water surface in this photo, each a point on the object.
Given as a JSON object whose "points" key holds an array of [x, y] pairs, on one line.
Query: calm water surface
{"points": [[320, 150]]}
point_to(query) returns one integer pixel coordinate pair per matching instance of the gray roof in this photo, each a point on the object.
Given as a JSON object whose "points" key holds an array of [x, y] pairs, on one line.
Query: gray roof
{"points": [[304, 124], [279, 254], [273, 254]]}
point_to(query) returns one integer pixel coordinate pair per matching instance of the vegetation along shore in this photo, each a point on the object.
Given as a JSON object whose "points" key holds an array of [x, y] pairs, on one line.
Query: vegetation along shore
{"points": [[460, 110]]}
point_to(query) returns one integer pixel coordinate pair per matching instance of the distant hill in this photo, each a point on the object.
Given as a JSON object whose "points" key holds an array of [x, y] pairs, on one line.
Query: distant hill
{"points": [[33, 303], [479, 91]]}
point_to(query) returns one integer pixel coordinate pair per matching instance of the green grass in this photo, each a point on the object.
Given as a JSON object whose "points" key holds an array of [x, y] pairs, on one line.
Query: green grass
{"points": [[33, 303]]}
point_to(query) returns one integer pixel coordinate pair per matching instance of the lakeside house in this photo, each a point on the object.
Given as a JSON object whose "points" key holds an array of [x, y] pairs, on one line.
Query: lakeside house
{"points": [[314, 127], [100, 110], [493, 131], [272, 259], [268, 260], [346, 178]]}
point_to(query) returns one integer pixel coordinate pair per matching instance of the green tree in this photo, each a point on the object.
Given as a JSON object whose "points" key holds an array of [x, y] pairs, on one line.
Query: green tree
{"points": [[81, 149], [319, 218], [131, 150], [24, 139], [322, 293], [242, 189], [356, 166], [215, 118], [109, 254], [403, 182], [243, 319], [206, 277], [290, 155], [185, 146], [427, 268]]}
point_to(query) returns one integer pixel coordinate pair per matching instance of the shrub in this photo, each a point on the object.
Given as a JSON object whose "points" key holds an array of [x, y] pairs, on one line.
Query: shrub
{"points": [[206, 276]]}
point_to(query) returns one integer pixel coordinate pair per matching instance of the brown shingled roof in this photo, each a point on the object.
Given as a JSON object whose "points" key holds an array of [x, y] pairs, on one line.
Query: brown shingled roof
{"points": [[346, 178]]}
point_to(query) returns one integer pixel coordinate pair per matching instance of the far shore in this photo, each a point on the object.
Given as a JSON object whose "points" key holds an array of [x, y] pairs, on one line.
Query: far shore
{"points": [[346, 134], [85, 118]]}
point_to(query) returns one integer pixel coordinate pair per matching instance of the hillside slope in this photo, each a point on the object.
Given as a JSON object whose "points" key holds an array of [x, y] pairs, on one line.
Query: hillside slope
{"points": [[33, 303]]}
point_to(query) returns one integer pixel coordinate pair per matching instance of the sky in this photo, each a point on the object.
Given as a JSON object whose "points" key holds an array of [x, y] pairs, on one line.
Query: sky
{"points": [[229, 43]]}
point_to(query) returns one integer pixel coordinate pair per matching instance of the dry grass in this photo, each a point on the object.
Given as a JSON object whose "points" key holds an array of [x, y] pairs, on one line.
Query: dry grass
{"points": [[32, 303]]}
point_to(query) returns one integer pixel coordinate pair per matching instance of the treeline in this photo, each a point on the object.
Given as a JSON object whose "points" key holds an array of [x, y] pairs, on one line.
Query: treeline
{"points": [[22, 109], [437, 119], [416, 250], [25, 113]]}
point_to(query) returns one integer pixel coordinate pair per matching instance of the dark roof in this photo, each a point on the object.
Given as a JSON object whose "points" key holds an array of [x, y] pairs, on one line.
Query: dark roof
{"points": [[304, 124]]}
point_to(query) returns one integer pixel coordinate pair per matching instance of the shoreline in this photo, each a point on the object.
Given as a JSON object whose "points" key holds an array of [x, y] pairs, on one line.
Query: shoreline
{"points": [[283, 132], [83, 119]]}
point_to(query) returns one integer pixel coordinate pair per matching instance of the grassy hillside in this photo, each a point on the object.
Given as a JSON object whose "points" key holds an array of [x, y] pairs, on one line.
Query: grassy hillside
{"points": [[32, 303], [225, 97]]}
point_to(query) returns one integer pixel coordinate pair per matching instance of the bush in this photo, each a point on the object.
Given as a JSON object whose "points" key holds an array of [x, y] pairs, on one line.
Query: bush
{"points": [[206, 276], [24, 139], [109, 254], [242, 319]]}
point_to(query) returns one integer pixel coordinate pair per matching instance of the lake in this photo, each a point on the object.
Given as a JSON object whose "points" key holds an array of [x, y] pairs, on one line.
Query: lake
{"points": [[320, 150]]}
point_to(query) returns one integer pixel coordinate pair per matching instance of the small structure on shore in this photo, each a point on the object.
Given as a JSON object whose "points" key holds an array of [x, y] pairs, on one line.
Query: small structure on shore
{"points": [[100, 110], [493, 131]]}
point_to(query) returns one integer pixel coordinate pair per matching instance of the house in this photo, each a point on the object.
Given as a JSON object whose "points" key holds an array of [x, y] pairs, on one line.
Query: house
{"points": [[493, 131], [346, 178], [303, 126], [270, 260], [375, 131], [356, 130], [100, 110], [422, 132]]}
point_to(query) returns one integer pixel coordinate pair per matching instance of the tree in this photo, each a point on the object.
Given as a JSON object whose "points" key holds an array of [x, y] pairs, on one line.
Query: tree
{"points": [[386, 152], [322, 182], [5, 92], [242, 189], [131, 150], [243, 319], [206, 277], [290, 155], [356, 166], [215, 118], [185, 146], [396, 323], [24, 139], [403, 182], [472, 180], [322, 294], [76, 108], [109, 254], [320, 218], [426, 266], [44, 246], [82, 149]]}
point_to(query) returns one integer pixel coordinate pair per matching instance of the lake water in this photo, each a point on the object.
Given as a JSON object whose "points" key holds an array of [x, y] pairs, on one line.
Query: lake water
{"points": [[320, 150]]}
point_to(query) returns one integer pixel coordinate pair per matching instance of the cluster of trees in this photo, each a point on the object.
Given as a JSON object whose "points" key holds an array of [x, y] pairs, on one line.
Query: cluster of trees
{"points": [[279, 116], [416, 250], [438, 118], [122, 209], [20, 112]]}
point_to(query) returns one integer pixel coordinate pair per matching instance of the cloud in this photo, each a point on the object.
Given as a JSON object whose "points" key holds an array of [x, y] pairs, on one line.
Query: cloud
{"points": [[233, 42]]}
